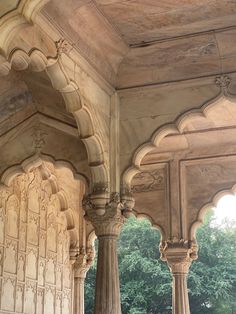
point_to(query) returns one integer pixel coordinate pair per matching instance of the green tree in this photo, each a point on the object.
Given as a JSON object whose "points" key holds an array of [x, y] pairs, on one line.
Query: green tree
{"points": [[146, 281]]}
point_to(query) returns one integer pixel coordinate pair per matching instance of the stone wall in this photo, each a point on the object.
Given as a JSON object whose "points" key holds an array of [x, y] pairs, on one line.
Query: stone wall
{"points": [[35, 269]]}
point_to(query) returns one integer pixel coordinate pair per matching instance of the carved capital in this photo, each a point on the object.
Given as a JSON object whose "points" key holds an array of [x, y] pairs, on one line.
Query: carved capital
{"points": [[178, 254], [82, 261], [107, 220]]}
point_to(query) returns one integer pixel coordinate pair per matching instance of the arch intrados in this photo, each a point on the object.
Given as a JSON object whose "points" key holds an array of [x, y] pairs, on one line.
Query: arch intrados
{"points": [[35, 59], [204, 209]]}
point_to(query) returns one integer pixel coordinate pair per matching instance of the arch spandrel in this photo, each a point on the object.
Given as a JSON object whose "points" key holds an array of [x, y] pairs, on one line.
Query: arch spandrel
{"points": [[178, 125], [150, 191], [200, 139]]}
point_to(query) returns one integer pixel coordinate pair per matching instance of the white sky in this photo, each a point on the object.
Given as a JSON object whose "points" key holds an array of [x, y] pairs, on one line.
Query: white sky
{"points": [[225, 209]]}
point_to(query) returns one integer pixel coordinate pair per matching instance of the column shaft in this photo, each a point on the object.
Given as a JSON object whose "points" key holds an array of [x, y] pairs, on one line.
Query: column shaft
{"points": [[79, 295], [107, 299], [180, 301]]}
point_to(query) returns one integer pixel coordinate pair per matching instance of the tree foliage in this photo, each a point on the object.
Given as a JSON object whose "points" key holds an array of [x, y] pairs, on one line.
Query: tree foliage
{"points": [[146, 280]]}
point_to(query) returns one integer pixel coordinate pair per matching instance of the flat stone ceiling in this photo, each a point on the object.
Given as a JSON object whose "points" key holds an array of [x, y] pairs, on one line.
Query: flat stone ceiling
{"points": [[135, 43], [143, 21]]}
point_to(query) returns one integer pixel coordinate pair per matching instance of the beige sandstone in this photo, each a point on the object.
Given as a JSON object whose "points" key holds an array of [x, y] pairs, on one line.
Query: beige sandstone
{"points": [[129, 105]]}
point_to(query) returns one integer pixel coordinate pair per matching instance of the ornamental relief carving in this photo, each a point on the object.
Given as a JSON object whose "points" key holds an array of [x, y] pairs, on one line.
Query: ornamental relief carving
{"points": [[147, 181], [35, 264]]}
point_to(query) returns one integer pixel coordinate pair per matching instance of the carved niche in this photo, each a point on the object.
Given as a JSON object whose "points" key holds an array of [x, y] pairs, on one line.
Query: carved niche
{"points": [[35, 269]]}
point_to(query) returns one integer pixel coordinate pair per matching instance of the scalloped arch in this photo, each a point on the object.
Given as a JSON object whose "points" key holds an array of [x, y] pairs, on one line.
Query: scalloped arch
{"points": [[175, 127], [149, 218], [202, 212], [37, 162], [15, 20], [36, 61]]}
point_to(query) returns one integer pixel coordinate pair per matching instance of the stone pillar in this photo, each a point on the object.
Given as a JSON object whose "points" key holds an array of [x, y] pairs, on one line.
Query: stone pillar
{"points": [[107, 224], [179, 256], [82, 263]]}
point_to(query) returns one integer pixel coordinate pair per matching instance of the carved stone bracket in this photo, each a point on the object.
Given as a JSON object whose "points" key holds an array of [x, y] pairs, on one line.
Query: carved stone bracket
{"points": [[178, 254], [82, 261]]}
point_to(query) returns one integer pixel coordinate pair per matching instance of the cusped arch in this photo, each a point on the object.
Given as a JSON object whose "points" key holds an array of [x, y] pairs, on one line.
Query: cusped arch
{"points": [[36, 61], [38, 162], [14, 20], [202, 212], [150, 219], [174, 128]]}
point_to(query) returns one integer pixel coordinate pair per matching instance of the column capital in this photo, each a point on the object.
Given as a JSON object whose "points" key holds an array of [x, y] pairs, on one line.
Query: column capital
{"points": [[107, 219], [178, 254], [83, 261]]}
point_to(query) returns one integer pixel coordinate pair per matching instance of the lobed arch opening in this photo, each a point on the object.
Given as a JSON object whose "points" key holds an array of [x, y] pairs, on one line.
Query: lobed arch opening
{"points": [[205, 208], [178, 127]]}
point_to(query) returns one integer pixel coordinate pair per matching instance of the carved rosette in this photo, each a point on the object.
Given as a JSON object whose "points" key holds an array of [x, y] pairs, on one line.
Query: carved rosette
{"points": [[178, 254], [108, 223]]}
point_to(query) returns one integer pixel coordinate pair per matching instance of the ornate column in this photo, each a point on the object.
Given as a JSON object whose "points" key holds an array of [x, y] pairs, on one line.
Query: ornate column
{"points": [[107, 223], [179, 255], [82, 263]]}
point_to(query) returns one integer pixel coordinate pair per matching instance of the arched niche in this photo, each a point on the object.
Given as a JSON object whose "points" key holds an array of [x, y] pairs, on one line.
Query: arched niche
{"points": [[38, 203]]}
